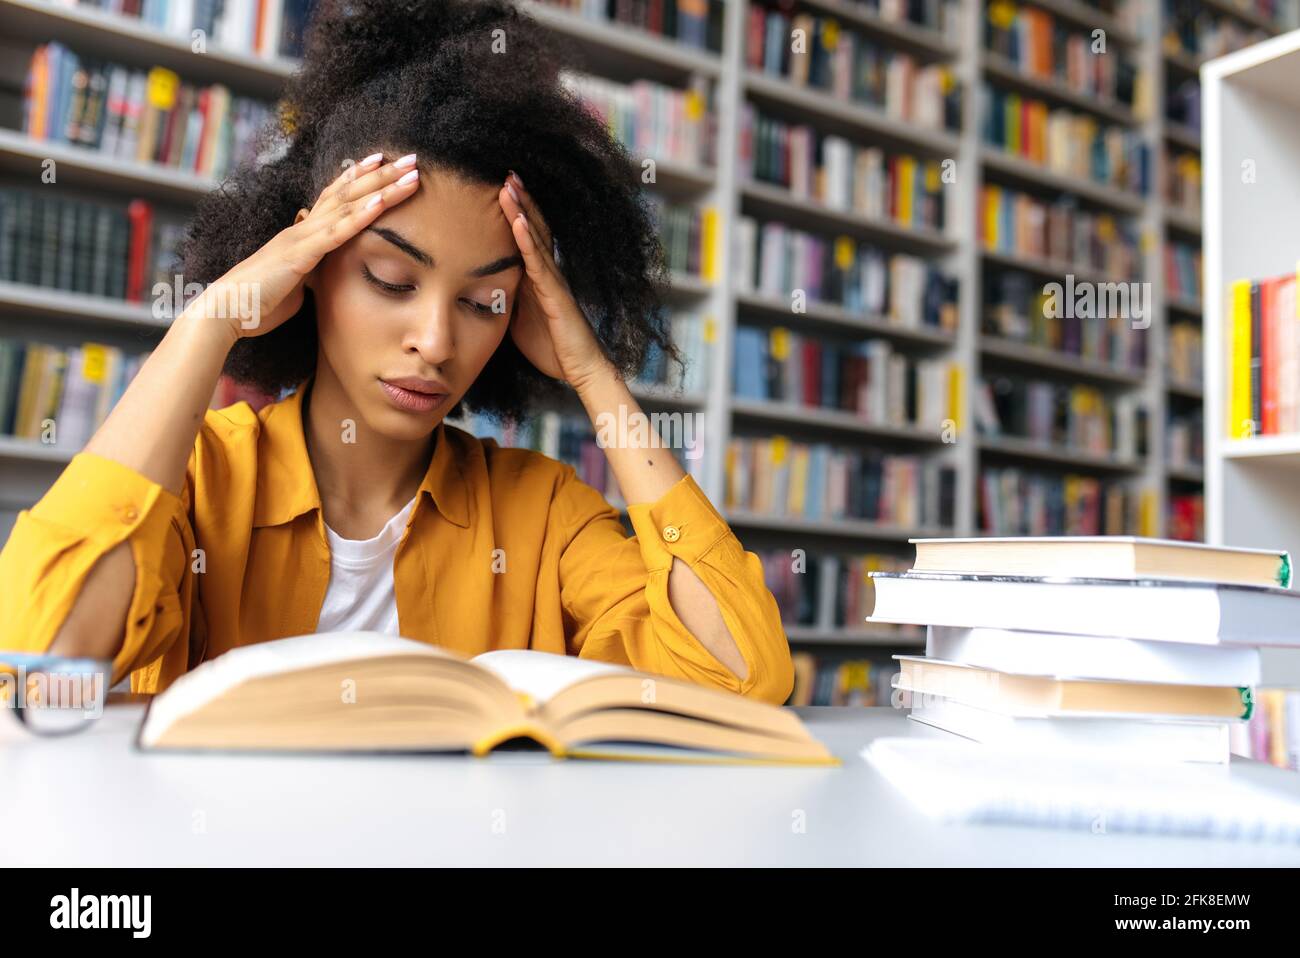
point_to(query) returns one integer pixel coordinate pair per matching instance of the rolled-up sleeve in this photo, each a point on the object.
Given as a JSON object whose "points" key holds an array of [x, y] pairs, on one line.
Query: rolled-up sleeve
{"points": [[614, 589], [95, 504]]}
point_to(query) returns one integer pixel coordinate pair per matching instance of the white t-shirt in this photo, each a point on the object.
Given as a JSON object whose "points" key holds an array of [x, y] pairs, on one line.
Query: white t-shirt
{"points": [[360, 594]]}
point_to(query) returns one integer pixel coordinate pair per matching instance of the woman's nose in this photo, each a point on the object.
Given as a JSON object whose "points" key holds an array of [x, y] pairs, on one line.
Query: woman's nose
{"points": [[432, 333]]}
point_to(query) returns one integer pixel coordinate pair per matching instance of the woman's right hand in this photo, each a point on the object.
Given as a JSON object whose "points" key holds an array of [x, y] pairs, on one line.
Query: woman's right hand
{"points": [[261, 292]]}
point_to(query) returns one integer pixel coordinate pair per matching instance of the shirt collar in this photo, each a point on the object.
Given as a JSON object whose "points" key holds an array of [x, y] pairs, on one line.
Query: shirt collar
{"points": [[286, 485]]}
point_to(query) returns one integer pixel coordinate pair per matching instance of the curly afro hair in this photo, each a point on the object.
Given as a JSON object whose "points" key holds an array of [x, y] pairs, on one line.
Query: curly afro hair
{"points": [[473, 87]]}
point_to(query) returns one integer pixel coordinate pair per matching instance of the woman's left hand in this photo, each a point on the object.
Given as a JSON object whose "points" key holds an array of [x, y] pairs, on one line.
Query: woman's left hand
{"points": [[548, 326]]}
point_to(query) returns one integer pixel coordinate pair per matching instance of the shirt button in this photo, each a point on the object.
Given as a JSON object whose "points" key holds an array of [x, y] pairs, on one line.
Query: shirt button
{"points": [[672, 533], [129, 514]]}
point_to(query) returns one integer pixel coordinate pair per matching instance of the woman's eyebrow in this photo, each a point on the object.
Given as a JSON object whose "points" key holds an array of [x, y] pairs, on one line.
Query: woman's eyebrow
{"points": [[424, 259], [499, 265], [402, 243]]}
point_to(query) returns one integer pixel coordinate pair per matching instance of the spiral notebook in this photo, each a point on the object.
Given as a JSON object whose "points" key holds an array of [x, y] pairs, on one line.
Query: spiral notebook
{"points": [[959, 781]]}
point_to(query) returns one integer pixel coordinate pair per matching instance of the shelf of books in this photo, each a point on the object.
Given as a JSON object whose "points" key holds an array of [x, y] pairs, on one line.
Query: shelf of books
{"points": [[1252, 436], [935, 263]]}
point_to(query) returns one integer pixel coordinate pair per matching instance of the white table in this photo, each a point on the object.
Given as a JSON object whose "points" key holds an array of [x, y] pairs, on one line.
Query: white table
{"points": [[92, 800]]}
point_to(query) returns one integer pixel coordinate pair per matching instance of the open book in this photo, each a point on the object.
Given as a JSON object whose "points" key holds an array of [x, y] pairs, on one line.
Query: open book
{"points": [[366, 691]]}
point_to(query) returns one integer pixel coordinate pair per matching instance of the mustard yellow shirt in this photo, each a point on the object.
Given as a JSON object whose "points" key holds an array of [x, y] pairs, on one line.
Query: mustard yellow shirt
{"points": [[504, 549]]}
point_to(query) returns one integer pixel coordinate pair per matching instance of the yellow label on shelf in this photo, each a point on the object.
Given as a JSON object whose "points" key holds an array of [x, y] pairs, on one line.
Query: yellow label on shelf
{"points": [[844, 250], [161, 88], [855, 675], [1105, 228], [694, 105], [946, 80], [710, 329], [830, 34], [95, 362], [780, 342], [932, 177], [1148, 240], [1002, 13], [779, 449]]}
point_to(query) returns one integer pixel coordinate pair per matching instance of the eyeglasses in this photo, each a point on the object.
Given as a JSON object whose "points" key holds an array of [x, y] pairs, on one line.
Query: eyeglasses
{"points": [[51, 694]]}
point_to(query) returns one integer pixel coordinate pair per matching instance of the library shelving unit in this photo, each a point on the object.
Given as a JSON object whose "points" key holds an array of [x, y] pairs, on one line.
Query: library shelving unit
{"points": [[1186, 227], [622, 53], [1251, 104]]}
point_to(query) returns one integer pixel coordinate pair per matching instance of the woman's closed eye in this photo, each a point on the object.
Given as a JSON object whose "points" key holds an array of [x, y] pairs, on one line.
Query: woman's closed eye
{"points": [[387, 287], [398, 289]]}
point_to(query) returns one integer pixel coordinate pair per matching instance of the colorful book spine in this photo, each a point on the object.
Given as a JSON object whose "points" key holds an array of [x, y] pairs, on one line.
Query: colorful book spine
{"points": [[83, 246], [851, 66], [807, 270], [1192, 28], [830, 170], [1016, 309], [1016, 223], [1183, 271], [694, 335], [828, 679], [1183, 180], [1068, 142], [143, 116], [692, 23], [58, 395], [869, 378], [1185, 516], [1263, 382], [1016, 502], [833, 483], [1064, 416], [652, 120], [1041, 46], [689, 235], [1184, 439], [1272, 734]]}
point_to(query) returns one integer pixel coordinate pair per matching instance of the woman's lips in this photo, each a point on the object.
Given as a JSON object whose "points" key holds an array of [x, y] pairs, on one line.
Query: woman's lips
{"points": [[410, 400]]}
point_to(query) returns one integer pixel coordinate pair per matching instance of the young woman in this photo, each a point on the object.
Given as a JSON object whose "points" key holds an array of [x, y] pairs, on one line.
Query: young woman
{"points": [[443, 227]]}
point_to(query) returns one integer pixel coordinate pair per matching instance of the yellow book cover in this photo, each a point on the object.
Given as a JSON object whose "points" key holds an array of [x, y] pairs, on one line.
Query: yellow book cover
{"points": [[709, 244], [955, 397], [1239, 420], [33, 364], [40, 94], [1147, 525], [906, 188], [992, 213]]}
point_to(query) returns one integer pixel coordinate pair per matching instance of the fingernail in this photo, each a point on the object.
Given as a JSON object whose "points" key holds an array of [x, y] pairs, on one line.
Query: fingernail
{"points": [[518, 179], [521, 216], [510, 188], [374, 201], [371, 160], [409, 178], [406, 161]]}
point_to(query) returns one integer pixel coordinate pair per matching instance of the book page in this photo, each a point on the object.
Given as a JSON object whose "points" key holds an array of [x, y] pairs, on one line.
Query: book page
{"points": [[213, 678], [542, 674]]}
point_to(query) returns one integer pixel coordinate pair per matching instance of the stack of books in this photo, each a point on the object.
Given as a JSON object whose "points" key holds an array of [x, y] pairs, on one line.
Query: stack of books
{"points": [[1129, 648]]}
